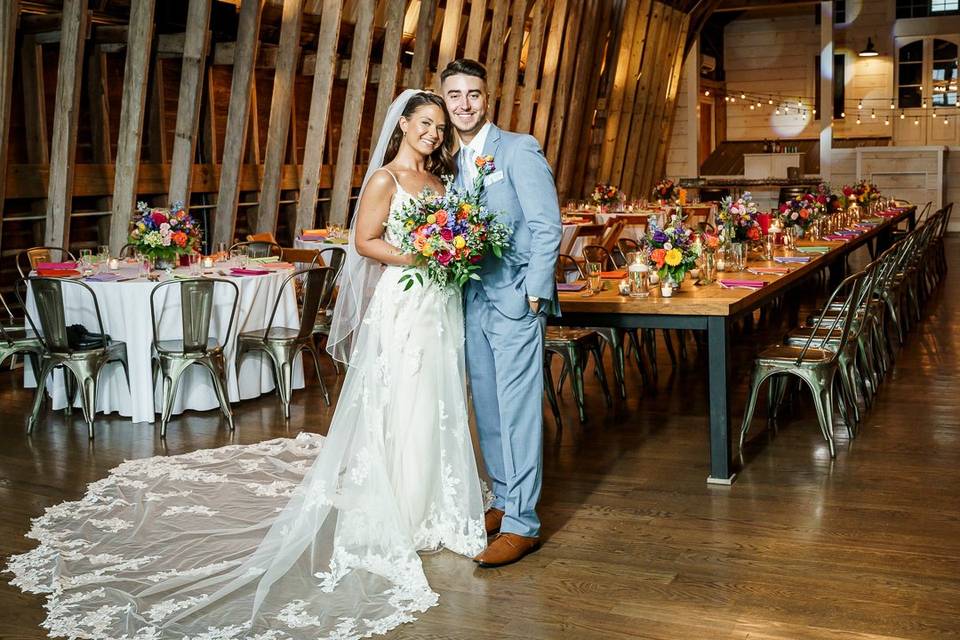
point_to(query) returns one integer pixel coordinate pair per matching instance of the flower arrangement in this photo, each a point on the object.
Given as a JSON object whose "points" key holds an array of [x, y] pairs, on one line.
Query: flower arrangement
{"points": [[666, 189], [164, 234], [450, 233], [674, 249], [738, 218], [605, 194], [861, 193], [803, 211]]}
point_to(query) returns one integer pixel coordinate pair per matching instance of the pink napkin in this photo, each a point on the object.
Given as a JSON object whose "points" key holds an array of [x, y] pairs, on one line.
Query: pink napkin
{"points": [[835, 237], [570, 286], [238, 271], [742, 284], [47, 266]]}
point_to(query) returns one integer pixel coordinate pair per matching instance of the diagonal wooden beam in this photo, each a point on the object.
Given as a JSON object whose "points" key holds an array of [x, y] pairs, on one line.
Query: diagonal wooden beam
{"points": [[9, 14], [478, 12], [422, 45], [389, 64], [494, 61], [511, 71], [531, 70], [551, 63], [451, 32], [562, 96]]}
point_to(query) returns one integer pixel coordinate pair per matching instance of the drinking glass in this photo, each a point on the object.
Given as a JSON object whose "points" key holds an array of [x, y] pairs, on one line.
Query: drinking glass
{"points": [[737, 256], [769, 241], [221, 251], [193, 259], [639, 279], [143, 264], [594, 278]]}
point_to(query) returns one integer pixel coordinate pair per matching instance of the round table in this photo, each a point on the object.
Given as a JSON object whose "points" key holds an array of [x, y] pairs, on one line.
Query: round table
{"points": [[125, 309]]}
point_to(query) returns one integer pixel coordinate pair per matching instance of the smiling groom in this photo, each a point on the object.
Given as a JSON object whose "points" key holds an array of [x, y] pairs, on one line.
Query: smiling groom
{"points": [[506, 311]]}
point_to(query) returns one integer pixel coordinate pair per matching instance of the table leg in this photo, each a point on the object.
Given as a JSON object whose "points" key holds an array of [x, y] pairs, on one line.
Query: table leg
{"points": [[721, 461]]}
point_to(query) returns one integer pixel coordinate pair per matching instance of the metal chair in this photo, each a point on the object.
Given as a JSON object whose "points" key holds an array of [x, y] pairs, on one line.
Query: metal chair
{"points": [[127, 251], [815, 363], [28, 259], [173, 356], [283, 344], [596, 253], [266, 236], [572, 345], [333, 258], [259, 248], [14, 340], [82, 363]]}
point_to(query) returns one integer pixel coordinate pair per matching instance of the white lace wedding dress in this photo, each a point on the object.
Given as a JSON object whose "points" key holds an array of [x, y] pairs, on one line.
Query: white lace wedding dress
{"points": [[287, 539]]}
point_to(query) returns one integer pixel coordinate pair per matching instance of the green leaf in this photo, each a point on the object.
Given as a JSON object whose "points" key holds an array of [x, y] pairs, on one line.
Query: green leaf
{"points": [[497, 251], [419, 277], [474, 276], [409, 284]]}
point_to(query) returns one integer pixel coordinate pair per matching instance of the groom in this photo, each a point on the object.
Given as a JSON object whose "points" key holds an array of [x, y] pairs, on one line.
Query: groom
{"points": [[506, 311]]}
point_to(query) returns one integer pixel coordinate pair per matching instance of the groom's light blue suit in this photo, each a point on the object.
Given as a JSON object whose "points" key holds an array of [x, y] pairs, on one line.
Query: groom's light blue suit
{"points": [[504, 338]]}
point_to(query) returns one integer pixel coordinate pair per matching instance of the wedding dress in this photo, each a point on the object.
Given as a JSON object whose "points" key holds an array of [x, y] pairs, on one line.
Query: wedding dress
{"points": [[288, 539]]}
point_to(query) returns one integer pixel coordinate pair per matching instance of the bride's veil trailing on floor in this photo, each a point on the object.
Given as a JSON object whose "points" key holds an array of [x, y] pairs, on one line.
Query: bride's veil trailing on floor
{"points": [[285, 539]]}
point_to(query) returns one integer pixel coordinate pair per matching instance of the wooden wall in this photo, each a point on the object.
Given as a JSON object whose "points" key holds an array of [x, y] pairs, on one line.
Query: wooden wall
{"points": [[269, 129]]}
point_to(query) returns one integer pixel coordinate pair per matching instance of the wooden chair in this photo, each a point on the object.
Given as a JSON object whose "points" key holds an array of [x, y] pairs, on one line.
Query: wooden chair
{"points": [[597, 253], [266, 236], [612, 234], [28, 259]]}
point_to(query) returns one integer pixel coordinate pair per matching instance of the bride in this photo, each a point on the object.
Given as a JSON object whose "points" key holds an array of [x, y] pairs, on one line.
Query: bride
{"points": [[306, 538]]}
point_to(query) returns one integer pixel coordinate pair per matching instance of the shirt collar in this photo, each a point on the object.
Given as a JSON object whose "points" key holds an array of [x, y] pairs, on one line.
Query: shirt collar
{"points": [[476, 145]]}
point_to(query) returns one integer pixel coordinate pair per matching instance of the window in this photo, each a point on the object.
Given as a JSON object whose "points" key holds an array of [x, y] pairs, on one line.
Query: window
{"points": [[926, 8], [927, 73], [910, 74], [839, 85]]}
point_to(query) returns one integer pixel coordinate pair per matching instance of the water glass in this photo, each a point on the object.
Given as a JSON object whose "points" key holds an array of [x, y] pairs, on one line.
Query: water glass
{"points": [[143, 265], [193, 259], [768, 244], [737, 256], [594, 279], [639, 279], [221, 251]]}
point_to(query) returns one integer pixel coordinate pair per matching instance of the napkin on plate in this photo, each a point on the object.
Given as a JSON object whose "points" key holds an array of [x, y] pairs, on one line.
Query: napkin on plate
{"points": [[240, 271], [776, 271], [266, 259], [48, 266], [57, 273], [792, 259], [813, 249], [570, 286], [741, 284], [613, 275], [834, 237], [106, 276]]}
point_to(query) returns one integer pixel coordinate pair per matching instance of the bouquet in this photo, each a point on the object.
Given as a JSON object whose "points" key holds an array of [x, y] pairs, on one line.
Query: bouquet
{"points": [[803, 211], [738, 218], [451, 233], [605, 194], [164, 234], [861, 193], [666, 189], [673, 249]]}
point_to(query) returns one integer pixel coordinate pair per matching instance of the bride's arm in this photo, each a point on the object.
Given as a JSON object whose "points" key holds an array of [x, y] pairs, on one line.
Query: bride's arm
{"points": [[371, 216]]}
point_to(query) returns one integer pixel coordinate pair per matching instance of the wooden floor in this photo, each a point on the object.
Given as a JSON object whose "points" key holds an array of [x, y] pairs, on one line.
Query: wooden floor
{"points": [[638, 545]]}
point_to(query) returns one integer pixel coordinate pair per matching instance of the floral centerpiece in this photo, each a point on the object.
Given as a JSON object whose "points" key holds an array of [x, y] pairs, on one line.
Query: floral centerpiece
{"points": [[673, 249], [164, 234], [450, 233], [605, 194], [862, 193], [666, 189], [738, 218], [802, 212]]}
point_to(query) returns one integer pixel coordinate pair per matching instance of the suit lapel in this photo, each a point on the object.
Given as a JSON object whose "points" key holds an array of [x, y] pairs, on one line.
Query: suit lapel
{"points": [[492, 144]]}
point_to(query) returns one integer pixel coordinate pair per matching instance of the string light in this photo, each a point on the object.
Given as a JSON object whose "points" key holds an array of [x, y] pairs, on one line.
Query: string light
{"points": [[860, 105], [843, 114], [743, 96], [916, 121], [892, 106], [873, 114], [901, 114], [934, 113], [752, 107], [707, 92], [858, 119], [886, 121], [770, 101], [777, 111]]}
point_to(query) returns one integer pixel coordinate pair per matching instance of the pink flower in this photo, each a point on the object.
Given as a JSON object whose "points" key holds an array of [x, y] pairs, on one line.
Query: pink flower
{"points": [[158, 218], [446, 234], [444, 257]]}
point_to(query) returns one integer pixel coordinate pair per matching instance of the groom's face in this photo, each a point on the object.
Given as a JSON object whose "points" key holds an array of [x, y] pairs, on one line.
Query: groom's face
{"points": [[466, 98]]}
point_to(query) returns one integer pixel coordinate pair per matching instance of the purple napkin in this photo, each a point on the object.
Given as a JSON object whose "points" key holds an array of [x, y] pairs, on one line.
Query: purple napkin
{"points": [[743, 284], [834, 237], [106, 276], [570, 286], [792, 259]]}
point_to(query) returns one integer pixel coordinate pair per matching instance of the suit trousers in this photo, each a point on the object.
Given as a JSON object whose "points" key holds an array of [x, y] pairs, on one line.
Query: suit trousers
{"points": [[505, 363]]}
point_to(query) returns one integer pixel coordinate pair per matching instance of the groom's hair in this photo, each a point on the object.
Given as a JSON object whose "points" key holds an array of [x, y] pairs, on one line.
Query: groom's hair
{"points": [[466, 66]]}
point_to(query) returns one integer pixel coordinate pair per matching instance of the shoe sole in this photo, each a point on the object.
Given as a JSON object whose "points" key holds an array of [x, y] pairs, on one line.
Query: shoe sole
{"points": [[489, 565]]}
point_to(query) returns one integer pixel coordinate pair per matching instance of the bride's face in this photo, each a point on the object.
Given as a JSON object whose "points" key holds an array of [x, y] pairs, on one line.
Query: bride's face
{"points": [[424, 129]]}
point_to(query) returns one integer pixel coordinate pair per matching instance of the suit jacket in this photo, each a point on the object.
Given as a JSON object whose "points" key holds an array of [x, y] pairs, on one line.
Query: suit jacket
{"points": [[522, 190]]}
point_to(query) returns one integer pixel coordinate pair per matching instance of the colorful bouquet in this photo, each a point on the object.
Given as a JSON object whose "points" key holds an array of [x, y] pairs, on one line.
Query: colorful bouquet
{"points": [[738, 218], [450, 233], [861, 193], [803, 211], [666, 189], [674, 249], [605, 194], [164, 234]]}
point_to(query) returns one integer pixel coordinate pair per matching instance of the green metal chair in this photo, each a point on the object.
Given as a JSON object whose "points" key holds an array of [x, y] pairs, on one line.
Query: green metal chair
{"points": [[334, 258], [15, 340], [195, 346], [82, 363], [572, 345], [284, 344], [814, 363]]}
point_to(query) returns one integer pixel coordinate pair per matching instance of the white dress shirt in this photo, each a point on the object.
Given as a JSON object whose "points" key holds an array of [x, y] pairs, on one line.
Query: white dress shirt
{"points": [[469, 153]]}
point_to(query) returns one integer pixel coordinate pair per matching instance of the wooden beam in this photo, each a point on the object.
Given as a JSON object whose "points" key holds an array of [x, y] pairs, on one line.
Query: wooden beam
{"points": [[581, 84], [319, 113], [628, 40], [130, 128], [238, 116], [279, 128], [195, 45], [389, 65], [531, 70], [511, 71], [156, 140], [621, 137], [34, 101], [451, 32], [421, 46], [99, 106], [64, 143], [551, 61], [352, 111], [494, 62], [9, 14], [664, 116], [478, 13], [562, 95]]}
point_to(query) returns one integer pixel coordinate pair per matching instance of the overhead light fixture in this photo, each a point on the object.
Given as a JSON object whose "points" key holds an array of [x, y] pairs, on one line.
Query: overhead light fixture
{"points": [[870, 51], [707, 92]]}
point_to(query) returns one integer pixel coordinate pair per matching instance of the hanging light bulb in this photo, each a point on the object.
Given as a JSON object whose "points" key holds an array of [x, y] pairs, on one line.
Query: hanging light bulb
{"points": [[858, 119], [860, 105], [777, 111], [759, 105], [743, 96], [843, 114], [945, 121], [752, 107], [732, 99], [902, 116], [707, 92], [934, 113], [770, 101], [799, 104], [873, 114], [892, 106], [923, 105], [916, 121], [886, 121]]}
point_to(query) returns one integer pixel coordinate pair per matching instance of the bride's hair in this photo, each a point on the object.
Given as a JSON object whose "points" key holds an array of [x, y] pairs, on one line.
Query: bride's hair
{"points": [[440, 163]]}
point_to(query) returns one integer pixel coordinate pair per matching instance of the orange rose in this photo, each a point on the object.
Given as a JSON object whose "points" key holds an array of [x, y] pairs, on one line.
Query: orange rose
{"points": [[659, 256], [179, 238], [441, 217]]}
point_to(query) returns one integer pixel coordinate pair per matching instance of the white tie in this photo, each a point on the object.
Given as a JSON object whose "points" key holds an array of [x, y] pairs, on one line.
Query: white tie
{"points": [[467, 165]]}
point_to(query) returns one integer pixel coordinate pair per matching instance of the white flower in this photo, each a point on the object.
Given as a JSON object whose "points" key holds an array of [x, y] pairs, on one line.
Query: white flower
{"points": [[667, 246]]}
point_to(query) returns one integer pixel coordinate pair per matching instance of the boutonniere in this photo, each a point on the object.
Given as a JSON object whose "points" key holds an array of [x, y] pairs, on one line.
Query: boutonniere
{"points": [[485, 164]]}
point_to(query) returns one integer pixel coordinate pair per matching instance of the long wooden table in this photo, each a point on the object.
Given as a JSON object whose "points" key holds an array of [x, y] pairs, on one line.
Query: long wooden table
{"points": [[713, 308]]}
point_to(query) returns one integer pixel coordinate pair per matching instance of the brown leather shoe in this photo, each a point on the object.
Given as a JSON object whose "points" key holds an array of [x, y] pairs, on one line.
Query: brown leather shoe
{"points": [[492, 519], [506, 549]]}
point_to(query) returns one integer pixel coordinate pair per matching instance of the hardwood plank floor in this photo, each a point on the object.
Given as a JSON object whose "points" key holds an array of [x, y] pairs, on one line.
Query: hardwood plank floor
{"points": [[863, 547]]}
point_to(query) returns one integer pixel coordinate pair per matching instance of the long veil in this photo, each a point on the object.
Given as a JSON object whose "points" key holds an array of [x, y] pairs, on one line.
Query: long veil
{"points": [[360, 274]]}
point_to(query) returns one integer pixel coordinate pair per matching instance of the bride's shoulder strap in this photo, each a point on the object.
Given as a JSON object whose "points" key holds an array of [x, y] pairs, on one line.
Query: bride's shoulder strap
{"points": [[390, 173]]}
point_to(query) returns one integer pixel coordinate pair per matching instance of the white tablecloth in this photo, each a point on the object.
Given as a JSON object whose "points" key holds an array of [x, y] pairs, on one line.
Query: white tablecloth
{"points": [[319, 246], [634, 232], [125, 308]]}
